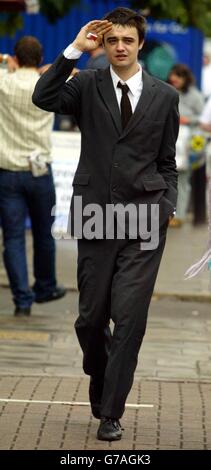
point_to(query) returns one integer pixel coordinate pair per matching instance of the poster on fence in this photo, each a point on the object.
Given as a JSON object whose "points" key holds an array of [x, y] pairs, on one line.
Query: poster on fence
{"points": [[65, 152]]}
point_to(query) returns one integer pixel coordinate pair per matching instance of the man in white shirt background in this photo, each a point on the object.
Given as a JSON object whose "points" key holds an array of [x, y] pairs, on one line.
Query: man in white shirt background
{"points": [[206, 73], [26, 182], [205, 118]]}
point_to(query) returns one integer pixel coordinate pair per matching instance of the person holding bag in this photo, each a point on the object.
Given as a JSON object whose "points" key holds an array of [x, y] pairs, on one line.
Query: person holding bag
{"points": [[190, 107]]}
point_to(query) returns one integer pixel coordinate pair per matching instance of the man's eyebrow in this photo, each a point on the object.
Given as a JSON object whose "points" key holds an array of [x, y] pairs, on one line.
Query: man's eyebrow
{"points": [[116, 37]]}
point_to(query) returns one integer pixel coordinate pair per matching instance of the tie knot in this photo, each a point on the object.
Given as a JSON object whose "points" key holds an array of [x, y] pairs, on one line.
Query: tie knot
{"points": [[124, 88]]}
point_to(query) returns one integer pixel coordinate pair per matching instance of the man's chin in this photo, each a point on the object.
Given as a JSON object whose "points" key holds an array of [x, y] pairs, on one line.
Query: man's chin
{"points": [[120, 63]]}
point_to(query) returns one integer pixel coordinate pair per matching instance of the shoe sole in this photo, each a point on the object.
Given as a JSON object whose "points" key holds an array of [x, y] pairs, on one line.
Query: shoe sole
{"points": [[102, 438]]}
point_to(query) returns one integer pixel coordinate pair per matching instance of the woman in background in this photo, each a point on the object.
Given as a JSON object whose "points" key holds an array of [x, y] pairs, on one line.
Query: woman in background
{"points": [[191, 103]]}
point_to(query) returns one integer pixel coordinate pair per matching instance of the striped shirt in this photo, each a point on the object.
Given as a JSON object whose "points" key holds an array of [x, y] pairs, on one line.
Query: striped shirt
{"points": [[24, 128]]}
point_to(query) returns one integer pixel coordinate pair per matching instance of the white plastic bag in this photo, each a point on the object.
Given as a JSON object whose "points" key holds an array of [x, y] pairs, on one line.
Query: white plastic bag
{"points": [[182, 148]]}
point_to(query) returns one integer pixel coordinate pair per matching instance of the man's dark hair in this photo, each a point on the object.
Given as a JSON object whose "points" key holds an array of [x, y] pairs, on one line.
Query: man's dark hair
{"points": [[183, 71], [28, 51], [127, 17]]}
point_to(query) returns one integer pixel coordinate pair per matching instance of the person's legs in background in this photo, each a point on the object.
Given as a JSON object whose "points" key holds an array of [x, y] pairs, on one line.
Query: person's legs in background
{"points": [[41, 198], [13, 211], [184, 191]]}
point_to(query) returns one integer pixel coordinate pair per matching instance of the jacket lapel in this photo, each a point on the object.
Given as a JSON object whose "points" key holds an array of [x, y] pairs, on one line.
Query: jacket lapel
{"points": [[146, 98], [106, 89]]}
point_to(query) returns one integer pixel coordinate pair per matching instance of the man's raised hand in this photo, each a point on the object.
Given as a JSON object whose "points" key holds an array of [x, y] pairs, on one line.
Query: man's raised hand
{"points": [[85, 41]]}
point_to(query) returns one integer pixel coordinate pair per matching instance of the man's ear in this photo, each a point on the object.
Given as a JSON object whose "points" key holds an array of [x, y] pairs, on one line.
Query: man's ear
{"points": [[141, 45]]}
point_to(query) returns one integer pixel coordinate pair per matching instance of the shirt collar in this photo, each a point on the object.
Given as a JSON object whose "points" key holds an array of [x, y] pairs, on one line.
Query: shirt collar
{"points": [[133, 83], [27, 70]]}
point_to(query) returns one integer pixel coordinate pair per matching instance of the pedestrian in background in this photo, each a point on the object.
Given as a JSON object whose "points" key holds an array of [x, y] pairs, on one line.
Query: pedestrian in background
{"points": [[190, 107], [26, 182], [205, 117], [205, 124], [97, 59], [206, 75]]}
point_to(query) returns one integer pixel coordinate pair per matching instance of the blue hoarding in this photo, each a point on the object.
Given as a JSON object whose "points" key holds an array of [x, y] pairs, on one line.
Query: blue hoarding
{"points": [[167, 42]]}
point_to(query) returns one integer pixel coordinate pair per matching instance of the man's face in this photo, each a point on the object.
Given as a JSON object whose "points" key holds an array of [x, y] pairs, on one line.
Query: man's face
{"points": [[121, 45]]}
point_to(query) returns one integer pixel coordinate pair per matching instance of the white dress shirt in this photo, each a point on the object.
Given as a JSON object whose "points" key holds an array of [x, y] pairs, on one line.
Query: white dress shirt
{"points": [[135, 83]]}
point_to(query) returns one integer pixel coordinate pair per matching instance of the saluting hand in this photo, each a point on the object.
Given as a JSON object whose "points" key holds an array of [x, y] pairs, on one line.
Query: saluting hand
{"points": [[84, 41]]}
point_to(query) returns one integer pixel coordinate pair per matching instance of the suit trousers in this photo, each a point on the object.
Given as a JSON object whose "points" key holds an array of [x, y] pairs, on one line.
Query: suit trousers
{"points": [[115, 280]]}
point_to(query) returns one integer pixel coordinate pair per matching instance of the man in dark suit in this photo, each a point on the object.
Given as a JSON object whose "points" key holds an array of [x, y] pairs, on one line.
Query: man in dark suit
{"points": [[129, 126]]}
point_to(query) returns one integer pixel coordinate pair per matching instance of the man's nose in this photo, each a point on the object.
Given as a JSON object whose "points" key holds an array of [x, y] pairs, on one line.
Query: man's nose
{"points": [[120, 46]]}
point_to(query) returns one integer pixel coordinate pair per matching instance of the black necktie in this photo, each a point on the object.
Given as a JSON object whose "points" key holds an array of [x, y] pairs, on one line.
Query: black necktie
{"points": [[126, 110]]}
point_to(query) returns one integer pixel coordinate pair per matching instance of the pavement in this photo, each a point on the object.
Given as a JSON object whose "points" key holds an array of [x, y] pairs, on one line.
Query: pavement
{"points": [[44, 394]]}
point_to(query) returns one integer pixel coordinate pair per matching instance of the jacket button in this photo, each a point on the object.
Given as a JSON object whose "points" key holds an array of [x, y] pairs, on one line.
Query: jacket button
{"points": [[116, 165]]}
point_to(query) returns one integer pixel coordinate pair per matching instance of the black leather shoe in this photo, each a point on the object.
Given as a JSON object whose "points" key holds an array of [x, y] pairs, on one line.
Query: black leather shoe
{"points": [[109, 430], [56, 294], [22, 311], [95, 395]]}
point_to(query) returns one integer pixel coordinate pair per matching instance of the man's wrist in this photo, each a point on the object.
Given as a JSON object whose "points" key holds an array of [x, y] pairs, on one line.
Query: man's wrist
{"points": [[77, 47], [71, 52]]}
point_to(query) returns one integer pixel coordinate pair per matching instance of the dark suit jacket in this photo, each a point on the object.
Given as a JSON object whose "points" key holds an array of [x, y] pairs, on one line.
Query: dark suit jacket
{"points": [[136, 165]]}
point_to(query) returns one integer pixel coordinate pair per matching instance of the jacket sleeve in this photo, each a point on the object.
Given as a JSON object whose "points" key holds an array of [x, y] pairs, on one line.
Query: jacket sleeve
{"points": [[167, 152], [54, 93]]}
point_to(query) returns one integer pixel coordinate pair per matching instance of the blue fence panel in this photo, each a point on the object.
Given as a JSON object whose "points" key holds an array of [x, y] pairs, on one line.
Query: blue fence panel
{"points": [[57, 36], [177, 44]]}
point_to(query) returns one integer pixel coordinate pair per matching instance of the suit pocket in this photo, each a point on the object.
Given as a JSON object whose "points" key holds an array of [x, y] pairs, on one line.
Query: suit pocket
{"points": [[154, 184], [81, 179]]}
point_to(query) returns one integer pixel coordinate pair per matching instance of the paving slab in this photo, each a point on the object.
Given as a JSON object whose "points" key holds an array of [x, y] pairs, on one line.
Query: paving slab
{"points": [[53, 426]]}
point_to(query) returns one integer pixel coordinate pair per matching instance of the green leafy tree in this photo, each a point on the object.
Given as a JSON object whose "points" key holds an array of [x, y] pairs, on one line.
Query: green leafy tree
{"points": [[52, 9], [55, 9], [187, 12], [195, 13], [10, 23]]}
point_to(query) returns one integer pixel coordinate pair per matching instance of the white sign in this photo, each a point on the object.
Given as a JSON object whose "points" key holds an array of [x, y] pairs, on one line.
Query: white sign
{"points": [[65, 152], [163, 28]]}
